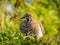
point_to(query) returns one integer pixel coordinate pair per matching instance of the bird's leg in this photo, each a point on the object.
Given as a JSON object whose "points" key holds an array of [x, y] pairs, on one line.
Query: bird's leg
{"points": [[27, 37]]}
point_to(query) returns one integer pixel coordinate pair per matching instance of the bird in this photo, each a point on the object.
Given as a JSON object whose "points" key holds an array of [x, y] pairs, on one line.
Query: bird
{"points": [[30, 24]]}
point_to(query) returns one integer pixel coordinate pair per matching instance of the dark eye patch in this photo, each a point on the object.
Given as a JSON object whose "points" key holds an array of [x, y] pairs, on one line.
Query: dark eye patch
{"points": [[27, 19]]}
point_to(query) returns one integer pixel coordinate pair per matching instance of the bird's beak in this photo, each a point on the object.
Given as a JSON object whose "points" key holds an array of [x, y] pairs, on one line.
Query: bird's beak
{"points": [[22, 17]]}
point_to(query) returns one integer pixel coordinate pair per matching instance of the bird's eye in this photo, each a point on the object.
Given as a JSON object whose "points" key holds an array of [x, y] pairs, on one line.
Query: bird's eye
{"points": [[27, 19]]}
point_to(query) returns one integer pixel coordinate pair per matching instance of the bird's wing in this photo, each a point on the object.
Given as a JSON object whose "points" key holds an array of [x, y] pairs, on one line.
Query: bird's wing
{"points": [[38, 28], [42, 28]]}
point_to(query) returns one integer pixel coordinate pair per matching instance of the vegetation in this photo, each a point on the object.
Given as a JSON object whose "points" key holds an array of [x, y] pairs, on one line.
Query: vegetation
{"points": [[46, 11]]}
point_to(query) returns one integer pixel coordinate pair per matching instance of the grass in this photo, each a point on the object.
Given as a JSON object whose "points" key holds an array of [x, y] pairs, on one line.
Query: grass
{"points": [[14, 37]]}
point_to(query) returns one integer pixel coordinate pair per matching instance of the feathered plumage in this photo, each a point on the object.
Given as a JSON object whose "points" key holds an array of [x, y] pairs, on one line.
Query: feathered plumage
{"points": [[29, 24]]}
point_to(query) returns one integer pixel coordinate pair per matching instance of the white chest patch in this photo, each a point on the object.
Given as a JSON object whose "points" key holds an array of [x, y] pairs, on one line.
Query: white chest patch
{"points": [[39, 31]]}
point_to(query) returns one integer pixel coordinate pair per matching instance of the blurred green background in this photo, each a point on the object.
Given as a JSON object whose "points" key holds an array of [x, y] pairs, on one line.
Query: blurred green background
{"points": [[46, 11]]}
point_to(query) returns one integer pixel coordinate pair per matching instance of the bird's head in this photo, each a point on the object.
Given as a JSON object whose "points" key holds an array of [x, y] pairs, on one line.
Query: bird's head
{"points": [[28, 17]]}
